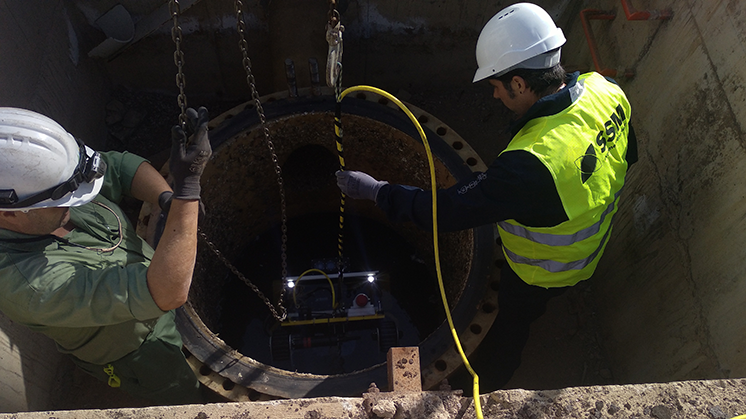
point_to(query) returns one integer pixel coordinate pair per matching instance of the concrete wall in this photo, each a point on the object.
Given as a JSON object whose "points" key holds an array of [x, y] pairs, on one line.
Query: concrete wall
{"points": [[390, 44], [671, 288], [29, 367], [43, 68]]}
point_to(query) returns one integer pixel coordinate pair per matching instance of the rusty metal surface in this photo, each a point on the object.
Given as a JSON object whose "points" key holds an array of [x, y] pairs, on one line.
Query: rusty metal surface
{"points": [[241, 205]]}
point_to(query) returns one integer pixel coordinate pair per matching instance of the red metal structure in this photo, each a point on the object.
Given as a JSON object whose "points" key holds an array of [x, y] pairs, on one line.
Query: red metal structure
{"points": [[631, 14]]}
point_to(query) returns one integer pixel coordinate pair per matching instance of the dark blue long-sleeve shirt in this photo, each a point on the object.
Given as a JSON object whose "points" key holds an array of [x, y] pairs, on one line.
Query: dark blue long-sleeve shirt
{"points": [[515, 186]]}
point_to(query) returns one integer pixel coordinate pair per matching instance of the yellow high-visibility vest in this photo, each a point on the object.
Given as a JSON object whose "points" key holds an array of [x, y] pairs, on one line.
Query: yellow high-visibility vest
{"points": [[584, 147]]}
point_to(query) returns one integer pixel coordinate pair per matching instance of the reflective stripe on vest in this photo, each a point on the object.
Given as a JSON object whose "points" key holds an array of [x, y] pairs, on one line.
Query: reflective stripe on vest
{"points": [[553, 265], [560, 239], [583, 147]]}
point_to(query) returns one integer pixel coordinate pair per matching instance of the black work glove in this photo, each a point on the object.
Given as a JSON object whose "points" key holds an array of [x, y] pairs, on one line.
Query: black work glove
{"points": [[188, 161]]}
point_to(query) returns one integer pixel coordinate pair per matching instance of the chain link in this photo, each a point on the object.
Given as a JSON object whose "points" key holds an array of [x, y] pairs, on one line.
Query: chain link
{"points": [[176, 35], [279, 316], [241, 27]]}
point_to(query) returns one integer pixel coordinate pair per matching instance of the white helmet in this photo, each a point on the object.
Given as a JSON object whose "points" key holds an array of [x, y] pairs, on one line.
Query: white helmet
{"points": [[520, 36], [42, 165]]}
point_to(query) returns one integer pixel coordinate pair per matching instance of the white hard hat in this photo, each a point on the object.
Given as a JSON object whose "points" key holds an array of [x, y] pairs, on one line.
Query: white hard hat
{"points": [[520, 36], [42, 165]]}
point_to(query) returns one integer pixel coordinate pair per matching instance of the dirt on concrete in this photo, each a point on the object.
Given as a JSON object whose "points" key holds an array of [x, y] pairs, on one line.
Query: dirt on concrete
{"points": [[718, 399]]}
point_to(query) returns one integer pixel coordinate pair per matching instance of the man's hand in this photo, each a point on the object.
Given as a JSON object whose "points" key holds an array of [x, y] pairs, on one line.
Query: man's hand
{"points": [[359, 185], [172, 266], [188, 161]]}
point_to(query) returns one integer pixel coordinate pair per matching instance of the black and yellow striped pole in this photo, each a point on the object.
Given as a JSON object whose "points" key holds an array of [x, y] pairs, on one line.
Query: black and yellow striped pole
{"points": [[340, 153]]}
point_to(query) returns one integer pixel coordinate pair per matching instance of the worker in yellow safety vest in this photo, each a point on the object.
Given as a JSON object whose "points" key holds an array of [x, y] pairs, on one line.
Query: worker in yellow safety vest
{"points": [[553, 191]]}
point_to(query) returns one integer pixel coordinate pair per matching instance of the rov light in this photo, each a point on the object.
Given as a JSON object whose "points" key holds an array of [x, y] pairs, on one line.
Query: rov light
{"points": [[290, 284], [371, 278]]}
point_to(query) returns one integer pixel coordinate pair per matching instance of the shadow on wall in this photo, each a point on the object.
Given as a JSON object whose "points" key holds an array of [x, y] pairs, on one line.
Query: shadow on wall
{"points": [[30, 369], [34, 376]]}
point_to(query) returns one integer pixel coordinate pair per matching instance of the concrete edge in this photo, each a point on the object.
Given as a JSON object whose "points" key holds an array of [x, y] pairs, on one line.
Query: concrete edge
{"points": [[713, 399]]}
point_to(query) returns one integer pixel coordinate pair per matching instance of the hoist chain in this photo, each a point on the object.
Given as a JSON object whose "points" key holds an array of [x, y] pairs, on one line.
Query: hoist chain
{"points": [[176, 35], [241, 27], [175, 10], [279, 316]]}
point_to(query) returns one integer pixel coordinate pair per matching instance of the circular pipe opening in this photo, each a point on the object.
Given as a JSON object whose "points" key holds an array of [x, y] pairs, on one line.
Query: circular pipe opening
{"points": [[229, 328]]}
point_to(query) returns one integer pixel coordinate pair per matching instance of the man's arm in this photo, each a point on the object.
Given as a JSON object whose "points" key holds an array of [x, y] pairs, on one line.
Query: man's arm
{"points": [[516, 186], [170, 272], [148, 184], [172, 266]]}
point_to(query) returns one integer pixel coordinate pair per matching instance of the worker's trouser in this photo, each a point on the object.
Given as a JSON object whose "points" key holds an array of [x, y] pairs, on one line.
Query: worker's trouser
{"points": [[156, 371], [499, 354], [519, 305]]}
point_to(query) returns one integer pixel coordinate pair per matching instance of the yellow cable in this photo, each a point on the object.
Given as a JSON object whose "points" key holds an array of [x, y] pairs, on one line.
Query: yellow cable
{"points": [[334, 302], [434, 189], [739, 417]]}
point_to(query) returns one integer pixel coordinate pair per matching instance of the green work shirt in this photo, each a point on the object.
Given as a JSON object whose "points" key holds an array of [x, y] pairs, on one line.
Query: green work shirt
{"points": [[95, 305]]}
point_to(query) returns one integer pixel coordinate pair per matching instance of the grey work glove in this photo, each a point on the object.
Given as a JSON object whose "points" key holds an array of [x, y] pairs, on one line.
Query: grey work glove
{"points": [[188, 161], [359, 185]]}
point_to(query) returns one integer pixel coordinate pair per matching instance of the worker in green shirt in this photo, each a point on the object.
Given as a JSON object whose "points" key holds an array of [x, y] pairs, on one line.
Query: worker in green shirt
{"points": [[73, 268]]}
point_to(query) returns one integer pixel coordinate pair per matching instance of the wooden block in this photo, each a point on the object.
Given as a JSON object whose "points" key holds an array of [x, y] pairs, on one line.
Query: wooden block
{"points": [[404, 369]]}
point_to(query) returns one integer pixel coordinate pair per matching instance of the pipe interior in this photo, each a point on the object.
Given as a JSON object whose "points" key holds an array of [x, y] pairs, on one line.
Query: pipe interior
{"points": [[241, 193]]}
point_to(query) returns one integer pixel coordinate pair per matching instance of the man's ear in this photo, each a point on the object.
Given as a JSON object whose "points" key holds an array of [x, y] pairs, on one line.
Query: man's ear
{"points": [[518, 84]]}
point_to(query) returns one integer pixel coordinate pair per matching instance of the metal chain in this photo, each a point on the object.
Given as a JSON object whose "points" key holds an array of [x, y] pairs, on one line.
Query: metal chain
{"points": [[279, 316], [241, 27], [176, 36]]}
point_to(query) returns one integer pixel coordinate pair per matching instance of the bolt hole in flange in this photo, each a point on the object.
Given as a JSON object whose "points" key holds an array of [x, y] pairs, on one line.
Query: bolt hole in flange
{"points": [[229, 329]]}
